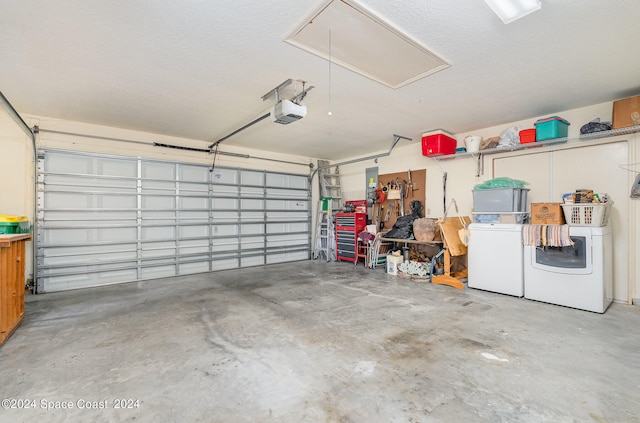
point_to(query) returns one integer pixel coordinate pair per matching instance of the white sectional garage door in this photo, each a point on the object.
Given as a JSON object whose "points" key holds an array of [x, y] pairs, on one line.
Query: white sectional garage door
{"points": [[109, 219]]}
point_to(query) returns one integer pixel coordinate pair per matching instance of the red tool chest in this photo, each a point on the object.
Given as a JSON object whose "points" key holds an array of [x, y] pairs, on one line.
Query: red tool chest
{"points": [[348, 226]]}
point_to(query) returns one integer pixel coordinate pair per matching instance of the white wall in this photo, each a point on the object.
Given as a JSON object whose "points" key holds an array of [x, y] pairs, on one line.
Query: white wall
{"points": [[16, 164], [16, 176], [461, 178]]}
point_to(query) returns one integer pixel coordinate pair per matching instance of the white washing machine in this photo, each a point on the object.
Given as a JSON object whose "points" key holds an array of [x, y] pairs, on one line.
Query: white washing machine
{"points": [[495, 260], [580, 276]]}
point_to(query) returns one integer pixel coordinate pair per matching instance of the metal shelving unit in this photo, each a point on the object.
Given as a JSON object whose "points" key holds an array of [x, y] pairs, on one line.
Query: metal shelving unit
{"points": [[538, 144]]}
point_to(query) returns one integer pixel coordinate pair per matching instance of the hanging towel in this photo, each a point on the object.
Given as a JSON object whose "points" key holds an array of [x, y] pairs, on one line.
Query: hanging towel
{"points": [[546, 235]]}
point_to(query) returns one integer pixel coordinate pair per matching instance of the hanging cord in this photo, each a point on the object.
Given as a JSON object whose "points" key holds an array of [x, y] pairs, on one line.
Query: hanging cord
{"points": [[446, 210], [330, 60], [444, 193]]}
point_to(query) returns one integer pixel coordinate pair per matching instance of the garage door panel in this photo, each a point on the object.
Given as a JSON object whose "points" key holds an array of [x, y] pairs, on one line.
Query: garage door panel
{"points": [[67, 282], [225, 176], [225, 245], [286, 257], [70, 236], [252, 243], [157, 217], [114, 167], [88, 250], [109, 219], [84, 218], [286, 205], [224, 204], [157, 202], [287, 180], [88, 259], [84, 201], [194, 174], [190, 268], [194, 231], [201, 250], [287, 227], [194, 203], [254, 229], [286, 240], [248, 177], [252, 261], [252, 204], [224, 230], [158, 249], [158, 232], [284, 217], [159, 271], [158, 171], [279, 192], [225, 264], [194, 216]]}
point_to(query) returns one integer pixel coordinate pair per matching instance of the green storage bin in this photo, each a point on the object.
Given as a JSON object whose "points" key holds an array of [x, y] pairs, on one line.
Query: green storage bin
{"points": [[9, 227], [24, 228], [550, 128]]}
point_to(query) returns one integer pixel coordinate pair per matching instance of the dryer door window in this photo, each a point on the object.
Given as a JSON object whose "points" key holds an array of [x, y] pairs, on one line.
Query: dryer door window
{"points": [[565, 259]]}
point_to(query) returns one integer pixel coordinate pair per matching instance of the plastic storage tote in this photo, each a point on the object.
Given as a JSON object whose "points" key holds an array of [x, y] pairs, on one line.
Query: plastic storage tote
{"points": [[527, 136], [14, 224], [9, 227], [551, 127], [438, 144], [500, 200], [505, 218]]}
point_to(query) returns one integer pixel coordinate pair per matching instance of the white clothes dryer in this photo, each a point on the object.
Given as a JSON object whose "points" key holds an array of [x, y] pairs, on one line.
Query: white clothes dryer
{"points": [[580, 276]]}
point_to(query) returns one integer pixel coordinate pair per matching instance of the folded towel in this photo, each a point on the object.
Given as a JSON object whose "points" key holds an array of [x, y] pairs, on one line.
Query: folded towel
{"points": [[546, 236]]}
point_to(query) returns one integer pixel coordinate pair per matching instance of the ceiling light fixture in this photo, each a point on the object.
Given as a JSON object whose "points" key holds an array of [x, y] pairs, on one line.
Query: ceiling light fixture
{"points": [[510, 10]]}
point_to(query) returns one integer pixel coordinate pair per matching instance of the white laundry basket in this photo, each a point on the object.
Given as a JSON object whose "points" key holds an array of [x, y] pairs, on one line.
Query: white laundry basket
{"points": [[586, 214]]}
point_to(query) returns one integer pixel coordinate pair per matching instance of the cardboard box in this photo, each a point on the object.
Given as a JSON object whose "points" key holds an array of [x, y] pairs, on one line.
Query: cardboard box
{"points": [[547, 214], [624, 112]]}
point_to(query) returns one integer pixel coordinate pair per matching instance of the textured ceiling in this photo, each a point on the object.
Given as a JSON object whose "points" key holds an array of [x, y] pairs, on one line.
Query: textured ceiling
{"points": [[198, 69]]}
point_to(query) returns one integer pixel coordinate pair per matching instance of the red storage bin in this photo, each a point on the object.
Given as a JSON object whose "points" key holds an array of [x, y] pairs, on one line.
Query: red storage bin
{"points": [[438, 144], [527, 136]]}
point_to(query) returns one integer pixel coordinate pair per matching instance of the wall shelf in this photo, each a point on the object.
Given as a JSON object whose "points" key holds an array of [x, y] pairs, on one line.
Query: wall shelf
{"points": [[538, 144]]}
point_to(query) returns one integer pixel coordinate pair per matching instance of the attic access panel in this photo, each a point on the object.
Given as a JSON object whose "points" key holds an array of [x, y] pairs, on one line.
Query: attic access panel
{"points": [[348, 35]]}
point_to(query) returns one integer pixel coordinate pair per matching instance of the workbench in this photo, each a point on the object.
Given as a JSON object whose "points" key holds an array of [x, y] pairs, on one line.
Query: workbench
{"points": [[449, 246]]}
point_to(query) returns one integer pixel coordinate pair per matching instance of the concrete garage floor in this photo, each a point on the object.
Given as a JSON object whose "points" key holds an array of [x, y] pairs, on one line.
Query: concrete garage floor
{"points": [[317, 342]]}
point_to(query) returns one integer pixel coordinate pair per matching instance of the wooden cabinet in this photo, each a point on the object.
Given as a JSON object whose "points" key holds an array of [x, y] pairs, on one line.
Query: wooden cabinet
{"points": [[11, 283]]}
